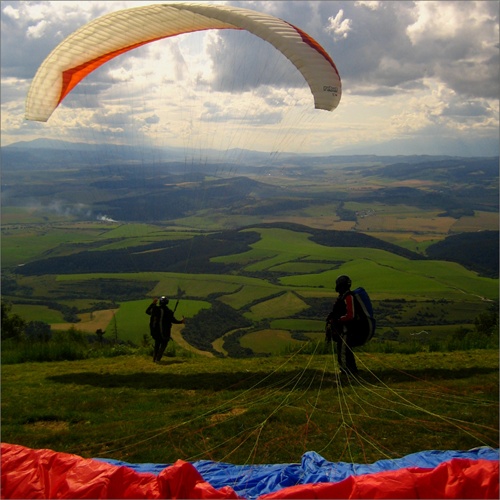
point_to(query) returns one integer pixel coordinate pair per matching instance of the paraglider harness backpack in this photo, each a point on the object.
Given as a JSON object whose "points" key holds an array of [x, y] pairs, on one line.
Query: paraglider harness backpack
{"points": [[364, 310]]}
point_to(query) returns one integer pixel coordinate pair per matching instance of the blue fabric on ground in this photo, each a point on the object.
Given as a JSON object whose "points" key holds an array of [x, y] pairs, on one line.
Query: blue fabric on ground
{"points": [[251, 481]]}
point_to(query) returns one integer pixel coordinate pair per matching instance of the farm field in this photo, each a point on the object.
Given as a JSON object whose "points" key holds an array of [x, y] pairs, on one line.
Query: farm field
{"points": [[90, 322], [38, 313], [270, 256], [434, 293], [481, 221]]}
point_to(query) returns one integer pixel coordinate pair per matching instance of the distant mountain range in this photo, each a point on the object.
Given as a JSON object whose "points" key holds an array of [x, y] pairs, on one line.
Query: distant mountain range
{"points": [[43, 153], [104, 183]]}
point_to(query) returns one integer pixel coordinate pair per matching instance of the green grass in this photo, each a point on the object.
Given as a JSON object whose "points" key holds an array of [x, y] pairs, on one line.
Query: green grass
{"points": [[395, 277], [270, 292], [301, 267], [38, 313], [23, 246], [58, 237], [438, 332], [26, 215], [261, 410], [169, 282], [126, 235], [269, 341], [302, 325], [279, 246], [284, 305], [248, 294]]}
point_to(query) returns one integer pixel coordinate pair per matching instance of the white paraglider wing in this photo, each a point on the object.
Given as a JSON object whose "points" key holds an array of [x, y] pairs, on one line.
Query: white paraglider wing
{"points": [[101, 40]]}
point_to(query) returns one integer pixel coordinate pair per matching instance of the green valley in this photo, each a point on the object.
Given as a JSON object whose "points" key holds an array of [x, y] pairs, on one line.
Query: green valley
{"points": [[266, 249]]}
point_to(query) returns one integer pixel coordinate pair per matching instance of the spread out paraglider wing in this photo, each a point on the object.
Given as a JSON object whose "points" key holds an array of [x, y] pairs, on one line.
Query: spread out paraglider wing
{"points": [[101, 40], [43, 473]]}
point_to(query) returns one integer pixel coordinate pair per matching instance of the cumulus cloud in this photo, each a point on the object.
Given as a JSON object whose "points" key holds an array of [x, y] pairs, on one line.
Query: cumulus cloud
{"points": [[458, 45], [473, 108], [241, 61], [10, 12], [38, 30], [151, 120], [339, 26]]}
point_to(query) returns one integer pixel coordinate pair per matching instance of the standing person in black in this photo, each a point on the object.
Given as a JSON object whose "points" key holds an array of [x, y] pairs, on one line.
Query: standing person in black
{"points": [[160, 325], [346, 327]]}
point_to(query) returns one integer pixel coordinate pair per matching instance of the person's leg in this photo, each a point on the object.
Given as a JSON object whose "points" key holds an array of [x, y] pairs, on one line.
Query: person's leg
{"points": [[342, 353], [345, 355], [350, 359], [328, 333], [354, 338], [357, 337], [156, 349], [163, 346]]}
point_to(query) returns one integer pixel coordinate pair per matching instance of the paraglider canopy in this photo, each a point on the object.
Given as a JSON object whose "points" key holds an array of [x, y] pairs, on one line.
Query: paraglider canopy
{"points": [[105, 38]]}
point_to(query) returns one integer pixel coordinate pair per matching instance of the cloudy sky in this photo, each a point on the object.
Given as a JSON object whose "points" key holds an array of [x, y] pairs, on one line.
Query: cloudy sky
{"points": [[418, 78]]}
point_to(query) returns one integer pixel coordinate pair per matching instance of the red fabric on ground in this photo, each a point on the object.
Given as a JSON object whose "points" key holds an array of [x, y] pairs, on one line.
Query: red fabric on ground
{"points": [[457, 478], [28, 473]]}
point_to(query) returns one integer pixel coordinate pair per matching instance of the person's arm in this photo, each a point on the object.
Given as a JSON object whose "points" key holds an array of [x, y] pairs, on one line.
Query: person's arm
{"points": [[172, 319], [178, 321], [349, 315], [149, 310]]}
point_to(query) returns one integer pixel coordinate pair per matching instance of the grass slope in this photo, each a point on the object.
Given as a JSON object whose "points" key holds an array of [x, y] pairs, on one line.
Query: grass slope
{"points": [[264, 410]]}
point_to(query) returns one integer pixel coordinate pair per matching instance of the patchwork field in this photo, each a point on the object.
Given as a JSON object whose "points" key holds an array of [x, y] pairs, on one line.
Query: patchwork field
{"points": [[250, 244], [90, 322], [481, 221], [435, 297]]}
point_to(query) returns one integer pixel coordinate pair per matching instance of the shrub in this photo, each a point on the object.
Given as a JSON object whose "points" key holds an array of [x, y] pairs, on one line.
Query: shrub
{"points": [[12, 324], [39, 350]]}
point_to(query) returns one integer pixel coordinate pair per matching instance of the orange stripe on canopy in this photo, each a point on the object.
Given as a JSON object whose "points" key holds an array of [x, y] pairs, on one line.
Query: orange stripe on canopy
{"points": [[73, 76], [315, 45]]}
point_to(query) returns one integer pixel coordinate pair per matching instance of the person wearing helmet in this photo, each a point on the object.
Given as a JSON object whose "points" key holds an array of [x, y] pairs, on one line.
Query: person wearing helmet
{"points": [[342, 326], [160, 325]]}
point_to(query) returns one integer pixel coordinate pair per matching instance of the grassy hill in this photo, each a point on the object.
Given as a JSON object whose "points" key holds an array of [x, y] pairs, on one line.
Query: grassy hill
{"points": [[265, 245], [261, 410], [269, 280], [478, 251]]}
